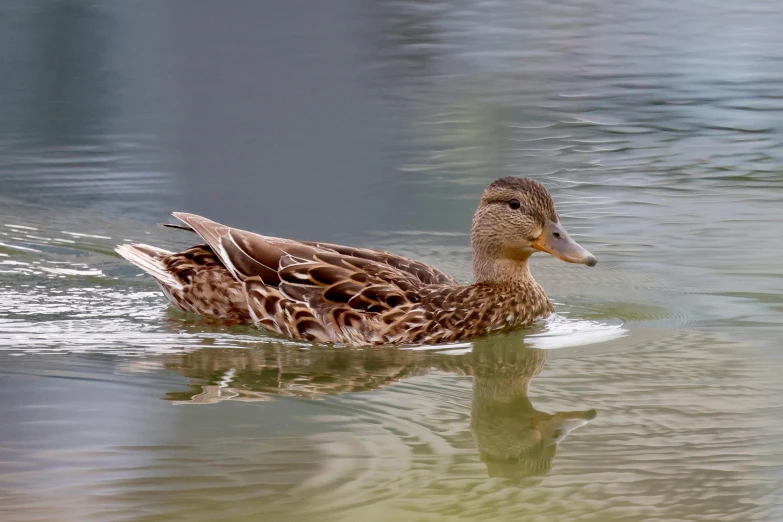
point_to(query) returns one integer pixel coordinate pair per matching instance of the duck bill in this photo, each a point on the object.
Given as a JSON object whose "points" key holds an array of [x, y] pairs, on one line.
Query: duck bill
{"points": [[556, 241]]}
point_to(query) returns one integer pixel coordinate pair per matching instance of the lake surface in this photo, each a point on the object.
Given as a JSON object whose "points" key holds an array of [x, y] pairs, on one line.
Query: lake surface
{"points": [[653, 394]]}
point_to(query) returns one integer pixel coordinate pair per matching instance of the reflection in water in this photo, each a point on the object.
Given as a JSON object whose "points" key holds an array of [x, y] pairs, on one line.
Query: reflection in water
{"points": [[514, 439]]}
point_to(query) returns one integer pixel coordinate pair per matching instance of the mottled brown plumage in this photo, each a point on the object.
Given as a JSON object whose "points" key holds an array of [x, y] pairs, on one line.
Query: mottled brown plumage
{"points": [[337, 294]]}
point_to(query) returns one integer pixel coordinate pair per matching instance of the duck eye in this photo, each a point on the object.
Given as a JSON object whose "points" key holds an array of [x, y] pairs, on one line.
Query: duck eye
{"points": [[556, 434], [514, 204]]}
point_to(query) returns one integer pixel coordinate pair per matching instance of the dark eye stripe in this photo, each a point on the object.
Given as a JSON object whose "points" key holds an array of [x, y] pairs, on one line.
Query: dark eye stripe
{"points": [[498, 201], [505, 202]]}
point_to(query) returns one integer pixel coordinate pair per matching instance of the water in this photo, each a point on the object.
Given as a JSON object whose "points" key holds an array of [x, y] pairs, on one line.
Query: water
{"points": [[655, 390]]}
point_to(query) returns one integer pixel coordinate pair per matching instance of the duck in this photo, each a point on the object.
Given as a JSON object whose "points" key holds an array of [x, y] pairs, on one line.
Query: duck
{"points": [[328, 293]]}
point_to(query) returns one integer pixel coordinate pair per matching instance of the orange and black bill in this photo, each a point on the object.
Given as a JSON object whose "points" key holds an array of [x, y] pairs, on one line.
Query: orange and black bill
{"points": [[556, 241]]}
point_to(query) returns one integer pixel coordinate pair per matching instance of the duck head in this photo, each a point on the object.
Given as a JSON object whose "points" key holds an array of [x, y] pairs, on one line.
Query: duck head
{"points": [[515, 218]]}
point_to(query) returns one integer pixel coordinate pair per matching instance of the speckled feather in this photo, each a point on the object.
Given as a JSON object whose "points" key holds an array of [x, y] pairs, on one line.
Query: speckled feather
{"points": [[337, 294]]}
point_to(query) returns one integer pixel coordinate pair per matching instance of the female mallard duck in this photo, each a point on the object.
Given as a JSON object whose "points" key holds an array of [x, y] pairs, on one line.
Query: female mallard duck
{"points": [[337, 294]]}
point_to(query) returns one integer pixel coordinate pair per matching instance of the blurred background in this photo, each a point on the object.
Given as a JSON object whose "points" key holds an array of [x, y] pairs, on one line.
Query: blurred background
{"points": [[656, 125]]}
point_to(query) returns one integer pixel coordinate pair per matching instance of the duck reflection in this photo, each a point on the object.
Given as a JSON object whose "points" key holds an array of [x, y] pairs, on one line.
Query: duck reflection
{"points": [[514, 439]]}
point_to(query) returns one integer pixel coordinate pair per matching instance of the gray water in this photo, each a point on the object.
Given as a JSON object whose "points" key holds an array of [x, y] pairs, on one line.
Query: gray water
{"points": [[657, 126]]}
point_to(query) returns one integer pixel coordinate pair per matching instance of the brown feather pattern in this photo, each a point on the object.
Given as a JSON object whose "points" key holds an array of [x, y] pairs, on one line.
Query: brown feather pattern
{"points": [[330, 293], [207, 287], [338, 294]]}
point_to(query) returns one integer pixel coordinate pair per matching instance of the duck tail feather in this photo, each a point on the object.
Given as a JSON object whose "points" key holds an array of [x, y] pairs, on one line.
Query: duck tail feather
{"points": [[150, 259]]}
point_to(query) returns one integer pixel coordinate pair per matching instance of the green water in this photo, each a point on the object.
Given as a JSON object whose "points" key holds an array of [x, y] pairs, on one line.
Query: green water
{"points": [[654, 394]]}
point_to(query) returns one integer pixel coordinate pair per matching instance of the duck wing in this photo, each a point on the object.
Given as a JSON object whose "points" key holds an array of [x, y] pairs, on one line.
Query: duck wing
{"points": [[247, 254], [426, 274], [315, 291]]}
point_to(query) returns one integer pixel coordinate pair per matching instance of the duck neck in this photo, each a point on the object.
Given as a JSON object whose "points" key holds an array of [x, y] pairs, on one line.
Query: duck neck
{"points": [[513, 290], [504, 376], [505, 271]]}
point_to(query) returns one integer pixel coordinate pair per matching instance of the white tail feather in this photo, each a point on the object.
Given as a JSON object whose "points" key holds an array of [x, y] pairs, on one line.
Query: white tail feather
{"points": [[149, 259]]}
